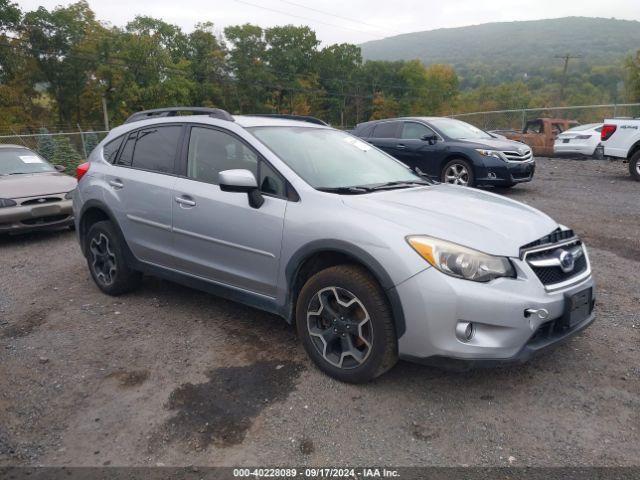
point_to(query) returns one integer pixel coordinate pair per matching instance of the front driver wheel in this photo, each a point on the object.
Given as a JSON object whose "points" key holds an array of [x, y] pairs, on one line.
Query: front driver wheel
{"points": [[345, 323], [105, 257], [458, 172]]}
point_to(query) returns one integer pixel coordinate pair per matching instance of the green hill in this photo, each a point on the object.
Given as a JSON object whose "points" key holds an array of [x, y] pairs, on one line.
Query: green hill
{"points": [[507, 51]]}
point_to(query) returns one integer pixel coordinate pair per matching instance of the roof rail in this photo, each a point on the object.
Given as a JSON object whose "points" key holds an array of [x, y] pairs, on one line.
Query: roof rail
{"points": [[175, 111], [288, 116]]}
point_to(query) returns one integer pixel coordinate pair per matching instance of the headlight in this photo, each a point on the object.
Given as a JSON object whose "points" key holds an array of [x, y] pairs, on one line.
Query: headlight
{"points": [[491, 153], [459, 261], [7, 202], [69, 195]]}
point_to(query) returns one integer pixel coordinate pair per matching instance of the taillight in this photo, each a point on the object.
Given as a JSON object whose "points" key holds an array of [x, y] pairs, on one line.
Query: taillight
{"points": [[81, 170], [607, 131]]}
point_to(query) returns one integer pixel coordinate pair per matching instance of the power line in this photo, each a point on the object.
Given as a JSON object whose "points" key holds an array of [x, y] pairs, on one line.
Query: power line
{"points": [[340, 17], [306, 18]]}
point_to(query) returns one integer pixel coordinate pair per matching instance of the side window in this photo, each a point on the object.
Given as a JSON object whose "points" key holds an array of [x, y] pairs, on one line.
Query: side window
{"points": [[110, 150], [556, 128], [156, 149], [415, 131], [271, 182], [386, 130], [126, 156], [533, 127], [212, 151]]}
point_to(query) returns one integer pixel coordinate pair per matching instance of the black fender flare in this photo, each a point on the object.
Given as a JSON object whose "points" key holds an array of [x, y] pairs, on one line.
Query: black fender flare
{"points": [[358, 254], [94, 203]]}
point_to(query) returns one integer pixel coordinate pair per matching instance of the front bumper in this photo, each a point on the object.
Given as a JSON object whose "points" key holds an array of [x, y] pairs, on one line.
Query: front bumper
{"points": [[434, 303], [23, 218], [499, 173]]}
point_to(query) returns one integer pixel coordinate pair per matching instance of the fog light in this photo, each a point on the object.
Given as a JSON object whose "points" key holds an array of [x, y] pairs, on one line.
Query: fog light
{"points": [[464, 331]]}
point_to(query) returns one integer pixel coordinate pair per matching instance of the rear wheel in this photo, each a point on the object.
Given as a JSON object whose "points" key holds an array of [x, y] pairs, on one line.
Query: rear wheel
{"points": [[458, 172], [106, 260], [634, 166], [345, 323]]}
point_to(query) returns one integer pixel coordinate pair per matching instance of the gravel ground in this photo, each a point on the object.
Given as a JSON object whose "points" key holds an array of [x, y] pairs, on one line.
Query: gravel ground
{"points": [[172, 376]]}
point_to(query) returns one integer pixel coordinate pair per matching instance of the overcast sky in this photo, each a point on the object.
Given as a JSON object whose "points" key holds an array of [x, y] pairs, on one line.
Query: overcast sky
{"points": [[354, 21]]}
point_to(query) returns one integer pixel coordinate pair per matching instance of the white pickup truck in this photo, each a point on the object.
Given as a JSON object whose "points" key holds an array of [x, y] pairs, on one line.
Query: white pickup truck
{"points": [[620, 138]]}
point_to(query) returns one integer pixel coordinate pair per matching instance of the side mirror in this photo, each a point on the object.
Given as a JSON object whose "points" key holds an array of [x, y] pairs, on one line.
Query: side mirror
{"points": [[432, 139], [60, 168], [241, 180]]}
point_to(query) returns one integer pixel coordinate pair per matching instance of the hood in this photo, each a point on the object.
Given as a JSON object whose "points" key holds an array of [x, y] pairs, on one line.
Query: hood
{"points": [[484, 221], [494, 144], [35, 184]]}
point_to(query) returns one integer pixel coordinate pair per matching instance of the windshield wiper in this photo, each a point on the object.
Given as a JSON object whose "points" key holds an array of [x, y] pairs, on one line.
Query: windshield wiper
{"points": [[400, 184], [355, 190]]}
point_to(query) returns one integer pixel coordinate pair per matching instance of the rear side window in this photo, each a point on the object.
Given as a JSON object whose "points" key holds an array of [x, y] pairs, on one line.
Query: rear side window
{"points": [[156, 149], [386, 130], [110, 150], [126, 156]]}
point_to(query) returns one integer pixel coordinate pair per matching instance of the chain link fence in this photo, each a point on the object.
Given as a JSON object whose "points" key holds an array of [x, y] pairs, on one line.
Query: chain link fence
{"points": [[517, 119], [68, 149]]}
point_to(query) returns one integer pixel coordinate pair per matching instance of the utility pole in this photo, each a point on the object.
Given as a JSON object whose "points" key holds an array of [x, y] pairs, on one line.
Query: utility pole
{"points": [[566, 58], [105, 114]]}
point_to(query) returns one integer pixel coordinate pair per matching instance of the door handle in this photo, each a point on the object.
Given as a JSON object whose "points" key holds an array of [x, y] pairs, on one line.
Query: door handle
{"points": [[187, 202], [117, 184], [401, 145]]}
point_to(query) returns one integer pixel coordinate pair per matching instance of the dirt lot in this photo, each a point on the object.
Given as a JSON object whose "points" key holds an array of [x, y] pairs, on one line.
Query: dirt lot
{"points": [[172, 376]]}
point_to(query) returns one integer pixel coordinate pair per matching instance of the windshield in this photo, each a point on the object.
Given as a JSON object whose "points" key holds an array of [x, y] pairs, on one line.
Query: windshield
{"points": [[457, 130], [331, 159], [15, 161]]}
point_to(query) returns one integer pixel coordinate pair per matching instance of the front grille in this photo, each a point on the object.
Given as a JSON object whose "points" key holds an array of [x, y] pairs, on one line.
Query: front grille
{"points": [[544, 259], [43, 220], [553, 275], [41, 201], [558, 235], [514, 156]]}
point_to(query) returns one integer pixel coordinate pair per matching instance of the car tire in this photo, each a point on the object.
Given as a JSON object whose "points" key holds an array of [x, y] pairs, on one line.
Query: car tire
{"points": [[346, 325], [458, 172], [106, 260], [634, 166]]}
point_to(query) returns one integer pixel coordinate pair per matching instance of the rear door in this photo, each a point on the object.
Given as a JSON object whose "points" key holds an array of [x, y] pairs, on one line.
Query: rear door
{"points": [[385, 136], [140, 185], [218, 235], [415, 152]]}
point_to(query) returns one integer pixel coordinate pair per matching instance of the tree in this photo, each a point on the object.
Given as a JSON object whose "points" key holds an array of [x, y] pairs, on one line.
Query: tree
{"points": [[632, 67], [208, 68], [46, 146], [90, 141], [64, 153], [247, 61], [384, 107], [54, 38]]}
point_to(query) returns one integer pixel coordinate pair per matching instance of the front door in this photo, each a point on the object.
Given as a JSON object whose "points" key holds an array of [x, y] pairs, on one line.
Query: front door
{"points": [[415, 152], [218, 235]]}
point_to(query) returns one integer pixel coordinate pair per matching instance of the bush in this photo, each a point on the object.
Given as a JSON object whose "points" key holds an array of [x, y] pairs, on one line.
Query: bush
{"points": [[65, 154], [90, 141], [46, 146]]}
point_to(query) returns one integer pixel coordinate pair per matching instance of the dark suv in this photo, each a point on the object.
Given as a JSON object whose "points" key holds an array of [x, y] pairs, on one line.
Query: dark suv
{"points": [[451, 151]]}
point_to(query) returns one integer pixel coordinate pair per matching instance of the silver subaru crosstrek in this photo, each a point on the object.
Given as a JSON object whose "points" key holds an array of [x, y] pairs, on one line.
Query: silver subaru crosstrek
{"points": [[368, 259]]}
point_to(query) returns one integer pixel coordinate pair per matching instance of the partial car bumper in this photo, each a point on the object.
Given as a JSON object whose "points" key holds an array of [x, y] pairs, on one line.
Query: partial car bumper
{"points": [[24, 218], [574, 149], [499, 173], [503, 331]]}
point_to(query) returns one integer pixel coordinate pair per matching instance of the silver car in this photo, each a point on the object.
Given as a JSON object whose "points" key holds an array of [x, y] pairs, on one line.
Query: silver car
{"points": [[369, 260]]}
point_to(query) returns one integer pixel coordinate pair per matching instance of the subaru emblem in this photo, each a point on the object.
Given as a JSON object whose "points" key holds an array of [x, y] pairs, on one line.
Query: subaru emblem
{"points": [[567, 261]]}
